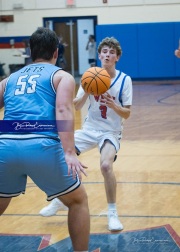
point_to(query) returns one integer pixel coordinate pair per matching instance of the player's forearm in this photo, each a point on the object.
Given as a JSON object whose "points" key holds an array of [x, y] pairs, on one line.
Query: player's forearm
{"points": [[65, 127], [124, 112], [67, 140], [80, 101]]}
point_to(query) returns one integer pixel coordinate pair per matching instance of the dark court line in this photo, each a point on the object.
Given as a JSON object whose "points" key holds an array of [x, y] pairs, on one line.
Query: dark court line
{"points": [[98, 215], [166, 97], [132, 182]]}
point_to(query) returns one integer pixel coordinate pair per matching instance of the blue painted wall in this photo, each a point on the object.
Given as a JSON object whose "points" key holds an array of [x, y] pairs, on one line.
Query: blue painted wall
{"points": [[148, 49]]}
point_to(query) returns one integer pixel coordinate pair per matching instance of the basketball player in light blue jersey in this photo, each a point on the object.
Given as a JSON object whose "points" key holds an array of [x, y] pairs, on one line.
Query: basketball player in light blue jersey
{"points": [[37, 137], [103, 125]]}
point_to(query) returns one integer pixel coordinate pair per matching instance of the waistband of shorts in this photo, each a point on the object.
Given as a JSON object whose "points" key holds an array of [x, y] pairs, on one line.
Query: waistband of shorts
{"points": [[26, 136]]}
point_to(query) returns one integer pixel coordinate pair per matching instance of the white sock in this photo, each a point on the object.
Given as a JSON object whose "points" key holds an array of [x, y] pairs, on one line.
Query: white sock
{"points": [[112, 207]]}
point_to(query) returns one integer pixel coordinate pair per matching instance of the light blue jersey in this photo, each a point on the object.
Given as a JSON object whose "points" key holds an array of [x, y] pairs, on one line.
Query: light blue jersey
{"points": [[30, 95]]}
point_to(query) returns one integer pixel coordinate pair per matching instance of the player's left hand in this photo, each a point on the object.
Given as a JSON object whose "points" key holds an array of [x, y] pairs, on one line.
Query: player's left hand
{"points": [[107, 100]]}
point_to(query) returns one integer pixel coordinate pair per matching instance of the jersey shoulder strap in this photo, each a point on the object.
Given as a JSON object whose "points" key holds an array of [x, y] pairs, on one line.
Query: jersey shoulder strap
{"points": [[120, 93]]}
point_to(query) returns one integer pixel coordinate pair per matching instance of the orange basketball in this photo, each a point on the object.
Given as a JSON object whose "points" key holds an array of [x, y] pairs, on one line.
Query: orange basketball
{"points": [[95, 81]]}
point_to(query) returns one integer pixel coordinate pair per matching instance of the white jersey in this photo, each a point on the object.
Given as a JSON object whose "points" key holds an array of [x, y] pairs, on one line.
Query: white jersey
{"points": [[101, 117]]}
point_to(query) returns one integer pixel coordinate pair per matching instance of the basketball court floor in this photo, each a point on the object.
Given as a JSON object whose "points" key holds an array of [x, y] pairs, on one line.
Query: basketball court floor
{"points": [[148, 186]]}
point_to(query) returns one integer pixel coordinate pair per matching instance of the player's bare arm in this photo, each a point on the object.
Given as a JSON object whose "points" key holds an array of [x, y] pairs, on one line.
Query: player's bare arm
{"points": [[2, 87], [80, 101], [65, 112]]}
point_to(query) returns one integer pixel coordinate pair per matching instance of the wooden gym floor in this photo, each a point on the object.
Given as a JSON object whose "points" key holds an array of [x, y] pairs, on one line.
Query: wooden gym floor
{"points": [[147, 171]]}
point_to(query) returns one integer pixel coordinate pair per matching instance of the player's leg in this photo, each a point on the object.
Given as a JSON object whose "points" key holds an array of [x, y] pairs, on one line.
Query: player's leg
{"points": [[56, 182], [78, 218], [108, 153], [12, 177], [78, 215], [4, 202], [106, 162]]}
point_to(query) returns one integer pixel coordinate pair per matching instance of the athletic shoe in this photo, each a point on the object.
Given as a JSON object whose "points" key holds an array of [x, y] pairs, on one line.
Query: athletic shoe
{"points": [[55, 206], [114, 223]]}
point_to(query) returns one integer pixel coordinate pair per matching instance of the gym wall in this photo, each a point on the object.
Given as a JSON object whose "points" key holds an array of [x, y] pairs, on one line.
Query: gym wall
{"points": [[148, 49], [148, 30]]}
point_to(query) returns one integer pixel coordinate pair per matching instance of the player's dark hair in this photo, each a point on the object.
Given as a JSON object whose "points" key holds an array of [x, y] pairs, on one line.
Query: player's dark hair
{"points": [[92, 36], [43, 44], [111, 42]]}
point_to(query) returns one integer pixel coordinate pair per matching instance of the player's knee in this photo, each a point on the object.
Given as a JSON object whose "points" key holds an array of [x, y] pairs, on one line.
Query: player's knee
{"points": [[79, 196], [105, 167], [83, 195]]}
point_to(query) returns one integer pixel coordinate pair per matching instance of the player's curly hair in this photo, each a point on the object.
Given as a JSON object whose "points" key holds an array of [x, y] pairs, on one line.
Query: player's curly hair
{"points": [[112, 43]]}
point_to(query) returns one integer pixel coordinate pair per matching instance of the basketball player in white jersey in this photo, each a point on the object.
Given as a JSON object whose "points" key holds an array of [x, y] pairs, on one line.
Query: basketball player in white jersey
{"points": [[103, 126], [36, 99]]}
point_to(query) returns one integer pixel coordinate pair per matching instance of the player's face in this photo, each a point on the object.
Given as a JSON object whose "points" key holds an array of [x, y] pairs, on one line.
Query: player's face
{"points": [[108, 56]]}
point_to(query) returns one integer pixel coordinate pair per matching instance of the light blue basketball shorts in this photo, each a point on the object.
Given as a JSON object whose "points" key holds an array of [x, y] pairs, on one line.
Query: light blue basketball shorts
{"points": [[42, 159]]}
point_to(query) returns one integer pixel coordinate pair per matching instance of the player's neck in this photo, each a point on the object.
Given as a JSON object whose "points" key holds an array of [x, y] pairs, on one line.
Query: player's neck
{"points": [[43, 61], [111, 72]]}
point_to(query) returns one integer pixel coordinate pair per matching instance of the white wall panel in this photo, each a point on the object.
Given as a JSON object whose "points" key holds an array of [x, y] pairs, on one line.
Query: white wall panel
{"points": [[125, 2], [50, 4], [10, 4], [161, 1], [141, 14], [55, 4], [99, 3]]}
